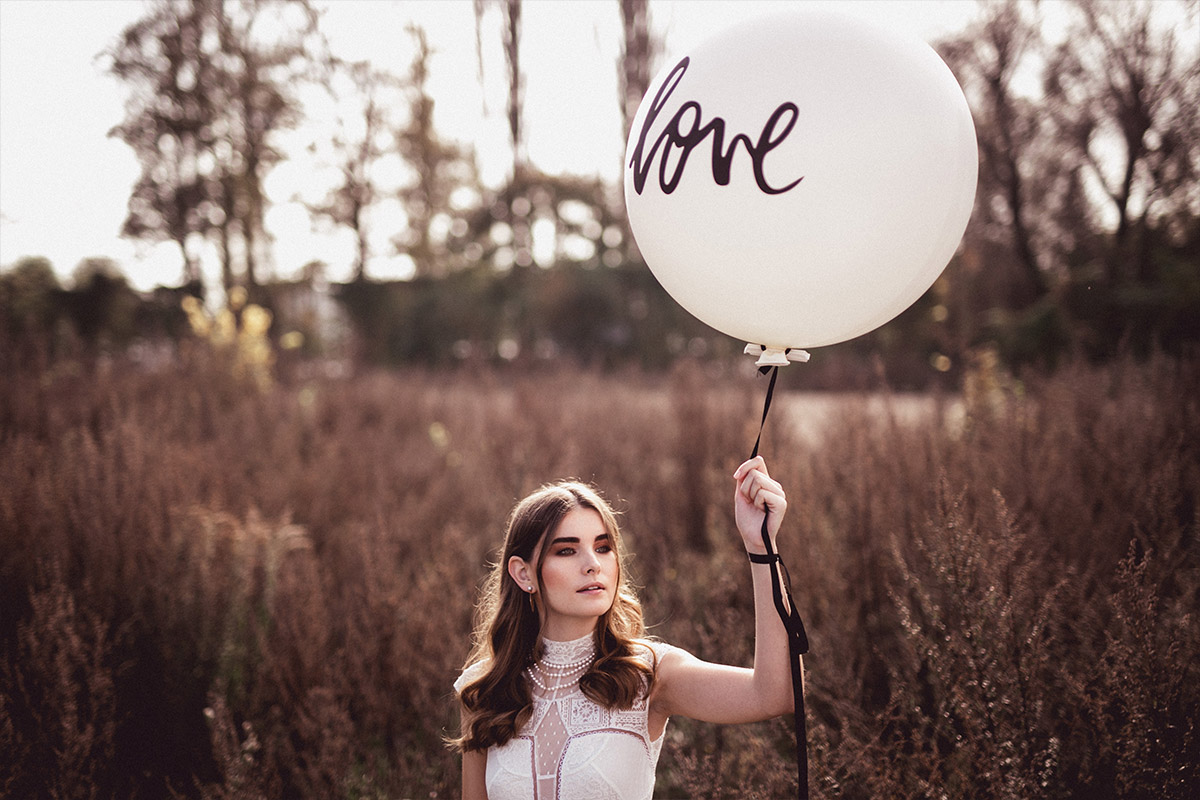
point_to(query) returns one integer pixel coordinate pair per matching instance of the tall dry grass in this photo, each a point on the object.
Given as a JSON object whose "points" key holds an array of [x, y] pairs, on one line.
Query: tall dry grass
{"points": [[211, 590]]}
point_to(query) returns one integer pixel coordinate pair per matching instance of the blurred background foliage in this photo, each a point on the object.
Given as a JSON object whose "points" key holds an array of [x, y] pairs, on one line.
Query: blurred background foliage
{"points": [[1085, 236], [212, 590]]}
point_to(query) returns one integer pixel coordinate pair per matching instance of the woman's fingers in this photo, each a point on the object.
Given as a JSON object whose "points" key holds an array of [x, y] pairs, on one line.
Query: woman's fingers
{"points": [[761, 490], [766, 499], [754, 463], [752, 477], [757, 493], [755, 478]]}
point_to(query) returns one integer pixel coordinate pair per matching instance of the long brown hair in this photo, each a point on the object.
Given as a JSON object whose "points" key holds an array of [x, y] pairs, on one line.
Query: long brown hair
{"points": [[508, 627]]}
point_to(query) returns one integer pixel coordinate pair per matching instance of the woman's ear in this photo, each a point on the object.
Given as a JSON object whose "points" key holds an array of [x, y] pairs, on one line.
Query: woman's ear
{"points": [[522, 572]]}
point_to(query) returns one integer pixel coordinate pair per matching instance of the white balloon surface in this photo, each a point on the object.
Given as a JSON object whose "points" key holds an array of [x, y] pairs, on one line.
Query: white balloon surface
{"points": [[801, 179]]}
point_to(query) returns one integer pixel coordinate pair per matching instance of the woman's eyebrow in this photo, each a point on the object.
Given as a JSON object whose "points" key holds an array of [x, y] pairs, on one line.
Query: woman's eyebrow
{"points": [[575, 539]]}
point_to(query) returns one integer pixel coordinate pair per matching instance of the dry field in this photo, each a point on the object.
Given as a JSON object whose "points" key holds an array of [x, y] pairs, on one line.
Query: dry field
{"points": [[208, 589]]}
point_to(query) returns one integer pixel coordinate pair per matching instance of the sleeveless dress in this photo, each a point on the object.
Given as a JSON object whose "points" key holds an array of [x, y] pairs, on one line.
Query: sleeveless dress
{"points": [[572, 748]]}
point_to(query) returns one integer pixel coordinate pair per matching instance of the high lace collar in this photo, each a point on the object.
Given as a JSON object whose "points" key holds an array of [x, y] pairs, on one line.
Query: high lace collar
{"points": [[567, 653]]}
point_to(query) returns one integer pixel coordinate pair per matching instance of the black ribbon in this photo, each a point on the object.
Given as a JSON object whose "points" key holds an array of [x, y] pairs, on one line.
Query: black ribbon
{"points": [[797, 638]]}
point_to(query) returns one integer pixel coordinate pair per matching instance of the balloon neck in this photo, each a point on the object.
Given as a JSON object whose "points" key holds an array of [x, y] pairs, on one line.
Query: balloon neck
{"points": [[775, 356]]}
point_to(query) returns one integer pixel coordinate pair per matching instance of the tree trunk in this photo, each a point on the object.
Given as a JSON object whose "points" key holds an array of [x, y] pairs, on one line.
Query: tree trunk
{"points": [[637, 57]]}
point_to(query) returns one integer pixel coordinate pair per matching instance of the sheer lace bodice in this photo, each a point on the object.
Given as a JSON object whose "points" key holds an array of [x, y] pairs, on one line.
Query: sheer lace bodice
{"points": [[573, 748]]}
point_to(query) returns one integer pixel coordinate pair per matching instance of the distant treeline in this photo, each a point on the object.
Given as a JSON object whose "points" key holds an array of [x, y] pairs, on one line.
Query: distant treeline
{"points": [[600, 317]]}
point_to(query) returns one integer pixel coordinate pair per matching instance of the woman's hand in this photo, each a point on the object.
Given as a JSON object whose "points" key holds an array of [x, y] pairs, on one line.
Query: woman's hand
{"points": [[757, 493]]}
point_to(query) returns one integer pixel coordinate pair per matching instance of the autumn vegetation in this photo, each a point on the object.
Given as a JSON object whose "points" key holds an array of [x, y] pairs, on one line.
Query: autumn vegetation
{"points": [[216, 588]]}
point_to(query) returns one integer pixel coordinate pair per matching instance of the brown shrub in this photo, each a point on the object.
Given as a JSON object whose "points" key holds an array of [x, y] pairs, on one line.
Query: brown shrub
{"points": [[206, 589]]}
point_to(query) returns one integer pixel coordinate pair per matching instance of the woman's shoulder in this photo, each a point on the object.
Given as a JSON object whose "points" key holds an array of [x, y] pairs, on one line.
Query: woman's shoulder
{"points": [[652, 650], [471, 673]]}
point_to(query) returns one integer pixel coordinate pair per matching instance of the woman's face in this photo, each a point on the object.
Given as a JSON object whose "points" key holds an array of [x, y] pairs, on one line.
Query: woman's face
{"points": [[579, 575]]}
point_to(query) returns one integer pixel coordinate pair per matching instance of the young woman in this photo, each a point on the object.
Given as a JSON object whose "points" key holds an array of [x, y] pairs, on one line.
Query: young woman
{"points": [[563, 697]]}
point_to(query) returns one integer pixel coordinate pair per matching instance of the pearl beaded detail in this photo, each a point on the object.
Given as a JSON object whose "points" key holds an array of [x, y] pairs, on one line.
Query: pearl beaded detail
{"points": [[561, 677], [562, 674]]}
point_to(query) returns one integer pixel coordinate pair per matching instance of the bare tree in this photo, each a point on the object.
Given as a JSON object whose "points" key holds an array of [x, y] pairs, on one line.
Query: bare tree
{"points": [[521, 206], [515, 214], [211, 81], [265, 48], [516, 82], [639, 50], [1123, 90], [987, 59], [170, 124], [439, 168], [1088, 178], [358, 145]]}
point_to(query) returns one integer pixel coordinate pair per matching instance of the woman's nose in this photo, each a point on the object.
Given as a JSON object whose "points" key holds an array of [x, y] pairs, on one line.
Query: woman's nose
{"points": [[591, 563]]}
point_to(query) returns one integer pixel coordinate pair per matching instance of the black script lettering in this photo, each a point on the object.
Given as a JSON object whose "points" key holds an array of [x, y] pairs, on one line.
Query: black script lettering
{"points": [[685, 137]]}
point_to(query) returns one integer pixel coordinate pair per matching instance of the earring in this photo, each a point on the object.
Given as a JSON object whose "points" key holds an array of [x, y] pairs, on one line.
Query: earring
{"points": [[529, 589]]}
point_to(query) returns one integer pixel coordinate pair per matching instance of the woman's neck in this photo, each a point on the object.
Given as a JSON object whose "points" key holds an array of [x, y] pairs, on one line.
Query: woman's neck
{"points": [[560, 629]]}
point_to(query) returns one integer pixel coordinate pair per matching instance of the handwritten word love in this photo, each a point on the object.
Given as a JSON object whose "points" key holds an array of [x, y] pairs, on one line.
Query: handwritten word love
{"points": [[684, 131]]}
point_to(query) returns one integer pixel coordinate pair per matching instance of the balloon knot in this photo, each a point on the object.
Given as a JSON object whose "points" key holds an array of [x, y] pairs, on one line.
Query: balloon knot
{"points": [[775, 356]]}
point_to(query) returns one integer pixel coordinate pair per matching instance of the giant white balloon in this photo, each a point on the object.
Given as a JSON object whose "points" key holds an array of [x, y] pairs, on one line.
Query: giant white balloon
{"points": [[799, 180]]}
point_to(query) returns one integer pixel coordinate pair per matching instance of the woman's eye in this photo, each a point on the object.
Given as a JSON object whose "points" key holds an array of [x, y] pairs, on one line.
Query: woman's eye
{"points": [[566, 551], [604, 548]]}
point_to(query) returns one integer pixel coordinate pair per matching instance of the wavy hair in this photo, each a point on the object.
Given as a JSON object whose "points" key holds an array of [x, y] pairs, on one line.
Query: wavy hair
{"points": [[508, 639]]}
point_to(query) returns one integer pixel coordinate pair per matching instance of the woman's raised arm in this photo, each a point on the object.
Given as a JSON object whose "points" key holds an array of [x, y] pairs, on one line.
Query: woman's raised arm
{"points": [[718, 693]]}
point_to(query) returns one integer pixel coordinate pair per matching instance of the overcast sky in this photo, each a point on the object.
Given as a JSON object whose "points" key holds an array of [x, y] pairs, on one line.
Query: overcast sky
{"points": [[64, 184]]}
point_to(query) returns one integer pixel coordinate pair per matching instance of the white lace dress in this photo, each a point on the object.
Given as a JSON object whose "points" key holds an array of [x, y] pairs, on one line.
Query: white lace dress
{"points": [[572, 748]]}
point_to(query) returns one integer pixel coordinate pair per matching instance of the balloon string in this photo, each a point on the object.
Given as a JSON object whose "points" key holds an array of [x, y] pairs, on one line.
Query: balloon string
{"points": [[766, 406], [792, 623]]}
